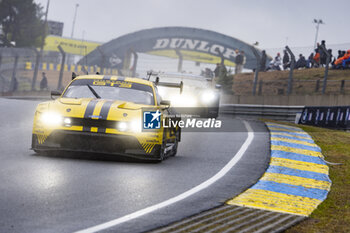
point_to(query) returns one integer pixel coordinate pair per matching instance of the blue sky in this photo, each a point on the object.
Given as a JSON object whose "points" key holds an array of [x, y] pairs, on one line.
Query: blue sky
{"points": [[271, 22]]}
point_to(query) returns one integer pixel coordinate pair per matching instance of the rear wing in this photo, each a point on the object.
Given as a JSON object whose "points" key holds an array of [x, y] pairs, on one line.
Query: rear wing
{"points": [[165, 84]]}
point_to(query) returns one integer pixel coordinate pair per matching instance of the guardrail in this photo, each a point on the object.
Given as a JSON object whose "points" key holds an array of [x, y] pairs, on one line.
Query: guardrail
{"points": [[275, 112]]}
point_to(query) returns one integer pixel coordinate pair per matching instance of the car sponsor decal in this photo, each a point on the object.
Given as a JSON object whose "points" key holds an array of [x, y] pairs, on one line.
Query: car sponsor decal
{"points": [[112, 83], [41, 138], [106, 77], [89, 112]]}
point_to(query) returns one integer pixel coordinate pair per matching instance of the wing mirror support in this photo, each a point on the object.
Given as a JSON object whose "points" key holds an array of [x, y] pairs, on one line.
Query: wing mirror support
{"points": [[55, 94], [165, 104]]}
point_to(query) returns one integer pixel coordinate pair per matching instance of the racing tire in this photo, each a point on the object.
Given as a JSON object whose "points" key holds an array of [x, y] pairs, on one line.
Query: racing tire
{"points": [[176, 143], [162, 150]]}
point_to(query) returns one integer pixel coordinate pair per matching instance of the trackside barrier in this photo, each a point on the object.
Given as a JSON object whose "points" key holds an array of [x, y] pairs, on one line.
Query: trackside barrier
{"points": [[275, 112], [336, 117], [73, 68]]}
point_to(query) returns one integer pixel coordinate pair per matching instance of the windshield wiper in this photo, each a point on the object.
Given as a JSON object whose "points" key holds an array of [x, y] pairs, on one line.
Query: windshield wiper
{"points": [[93, 91]]}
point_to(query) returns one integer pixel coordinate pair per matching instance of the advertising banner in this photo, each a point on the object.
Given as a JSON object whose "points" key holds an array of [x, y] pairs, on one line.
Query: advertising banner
{"points": [[337, 117]]}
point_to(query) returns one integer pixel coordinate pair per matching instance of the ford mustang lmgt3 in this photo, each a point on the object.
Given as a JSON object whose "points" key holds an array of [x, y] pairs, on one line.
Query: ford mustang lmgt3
{"points": [[106, 114]]}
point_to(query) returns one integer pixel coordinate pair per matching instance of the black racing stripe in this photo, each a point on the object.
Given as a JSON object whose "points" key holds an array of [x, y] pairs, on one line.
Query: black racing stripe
{"points": [[121, 78], [105, 110], [88, 112], [104, 113], [106, 77]]}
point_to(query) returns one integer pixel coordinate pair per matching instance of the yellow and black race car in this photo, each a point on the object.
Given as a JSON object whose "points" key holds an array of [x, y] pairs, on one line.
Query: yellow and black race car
{"points": [[107, 114]]}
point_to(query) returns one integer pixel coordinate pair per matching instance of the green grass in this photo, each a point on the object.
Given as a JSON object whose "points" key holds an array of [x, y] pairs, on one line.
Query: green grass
{"points": [[332, 215]]}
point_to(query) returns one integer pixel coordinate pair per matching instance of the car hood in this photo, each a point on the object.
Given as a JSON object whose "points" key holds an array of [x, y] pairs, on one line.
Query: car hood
{"points": [[96, 108]]}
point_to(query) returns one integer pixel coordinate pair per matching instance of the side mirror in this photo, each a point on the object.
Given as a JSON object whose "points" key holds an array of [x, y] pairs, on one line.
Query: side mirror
{"points": [[165, 104], [55, 94], [74, 75], [217, 86]]}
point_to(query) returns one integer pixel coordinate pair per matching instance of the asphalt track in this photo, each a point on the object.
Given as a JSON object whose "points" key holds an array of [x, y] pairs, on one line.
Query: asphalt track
{"points": [[72, 192]]}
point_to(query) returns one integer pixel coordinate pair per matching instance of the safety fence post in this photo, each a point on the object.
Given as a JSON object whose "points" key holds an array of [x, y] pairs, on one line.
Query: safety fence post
{"points": [[59, 85], [342, 85], [134, 65], [179, 65], [83, 68], [260, 87], [317, 85], [326, 69], [2, 84], [103, 60], [257, 56], [14, 83], [36, 67], [291, 69]]}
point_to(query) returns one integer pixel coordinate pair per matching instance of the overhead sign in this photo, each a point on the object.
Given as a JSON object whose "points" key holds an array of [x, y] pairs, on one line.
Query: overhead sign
{"points": [[71, 46], [194, 45], [189, 43]]}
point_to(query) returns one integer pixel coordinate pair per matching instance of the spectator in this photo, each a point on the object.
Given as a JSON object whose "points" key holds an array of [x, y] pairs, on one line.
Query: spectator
{"points": [[285, 60], [217, 70], [276, 63], [244, 59], [343, 53], [209, 73], [340, 54], [263, 61], [331, 55], [310, 61], [43, 82], [346, 59], [239, 59], [323, 55], [317, 58], [343, 61], [224, 80], [222, 70], [301, 63]]}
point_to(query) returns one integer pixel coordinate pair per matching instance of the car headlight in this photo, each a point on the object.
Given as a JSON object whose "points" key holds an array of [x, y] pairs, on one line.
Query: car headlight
{"points": [[183, 100], [130, 126], [122, 126], [135, 126], [51, 118], [67, 122], [208, 97]]}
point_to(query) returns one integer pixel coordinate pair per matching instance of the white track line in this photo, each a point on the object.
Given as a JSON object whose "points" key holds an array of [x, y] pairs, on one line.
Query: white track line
{"points": [[182, 196]]}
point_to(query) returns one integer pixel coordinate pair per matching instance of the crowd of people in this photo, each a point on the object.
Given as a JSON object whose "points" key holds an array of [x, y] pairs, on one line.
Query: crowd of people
{"points": [[240, 60], [318, 58]]}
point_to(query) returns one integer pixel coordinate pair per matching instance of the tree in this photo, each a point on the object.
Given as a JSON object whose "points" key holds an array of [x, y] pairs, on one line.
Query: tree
{"points": [[21, 22]]}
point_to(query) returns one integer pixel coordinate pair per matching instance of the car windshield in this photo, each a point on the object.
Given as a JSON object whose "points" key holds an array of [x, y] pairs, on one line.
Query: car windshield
{"points": [[124, 91]]}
